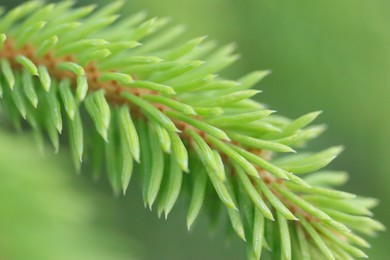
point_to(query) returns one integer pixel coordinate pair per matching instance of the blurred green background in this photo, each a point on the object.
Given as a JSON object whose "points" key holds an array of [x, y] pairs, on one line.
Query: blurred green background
{"points": [[325, 55]]}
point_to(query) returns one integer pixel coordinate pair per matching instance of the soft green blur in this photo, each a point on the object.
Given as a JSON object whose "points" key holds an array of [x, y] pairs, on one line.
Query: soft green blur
{"points": [[48, 213], [325, 55]]}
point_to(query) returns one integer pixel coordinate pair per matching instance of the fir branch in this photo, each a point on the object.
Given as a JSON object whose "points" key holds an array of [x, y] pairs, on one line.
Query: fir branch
{"points": [[159, 108]]}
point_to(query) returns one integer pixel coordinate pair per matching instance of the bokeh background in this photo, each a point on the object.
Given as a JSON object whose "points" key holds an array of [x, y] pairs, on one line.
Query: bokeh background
{"points": [[325, 55]]}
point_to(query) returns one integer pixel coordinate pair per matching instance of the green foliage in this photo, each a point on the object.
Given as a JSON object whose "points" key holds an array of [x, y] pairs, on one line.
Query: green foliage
{"points": [[158, 108]]}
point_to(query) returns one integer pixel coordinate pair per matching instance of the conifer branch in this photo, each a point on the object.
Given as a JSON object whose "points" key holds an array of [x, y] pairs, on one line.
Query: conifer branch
{"points": [[158, 109]]}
